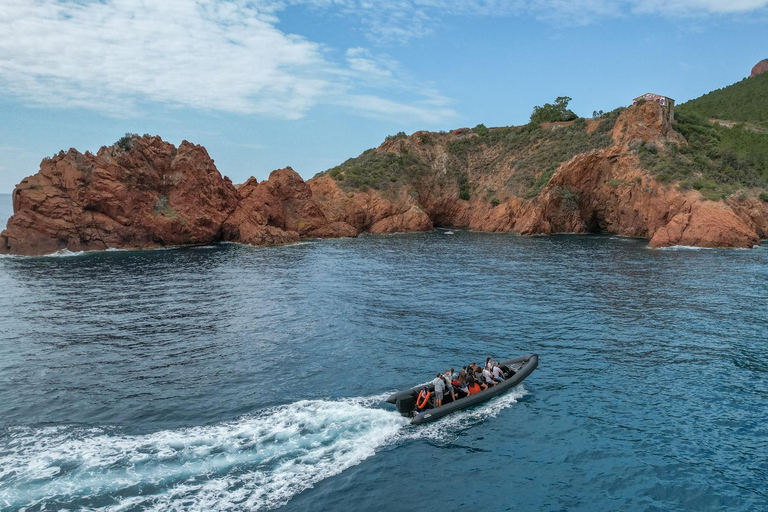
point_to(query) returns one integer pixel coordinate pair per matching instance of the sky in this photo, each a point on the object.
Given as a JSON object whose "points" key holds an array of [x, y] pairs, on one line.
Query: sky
{"points": [[265, 84]]}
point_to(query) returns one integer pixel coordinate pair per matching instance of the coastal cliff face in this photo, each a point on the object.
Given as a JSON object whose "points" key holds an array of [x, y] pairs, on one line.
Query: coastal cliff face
{"points": [[600, 190], [139, 193], [143, 192]]}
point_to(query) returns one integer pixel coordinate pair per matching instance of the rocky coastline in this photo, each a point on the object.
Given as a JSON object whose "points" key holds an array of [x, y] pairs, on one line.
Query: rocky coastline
{"points": [[143, 192]]}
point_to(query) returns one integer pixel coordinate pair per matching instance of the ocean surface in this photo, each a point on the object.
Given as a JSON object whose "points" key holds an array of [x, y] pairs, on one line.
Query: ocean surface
{"points": [[240, 378]]}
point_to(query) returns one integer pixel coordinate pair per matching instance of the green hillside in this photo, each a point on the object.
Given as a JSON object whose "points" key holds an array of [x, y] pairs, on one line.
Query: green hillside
{"points": [[528, 155], [745, 101], [718, 159]]}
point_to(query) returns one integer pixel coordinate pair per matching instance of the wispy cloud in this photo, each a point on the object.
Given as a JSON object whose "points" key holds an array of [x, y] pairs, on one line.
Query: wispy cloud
{"points": [[403, 20], [228, 55], [118, 56]]}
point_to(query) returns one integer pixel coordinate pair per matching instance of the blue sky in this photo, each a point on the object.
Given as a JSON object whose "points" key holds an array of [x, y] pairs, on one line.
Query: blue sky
{"points": [[264, 84]]}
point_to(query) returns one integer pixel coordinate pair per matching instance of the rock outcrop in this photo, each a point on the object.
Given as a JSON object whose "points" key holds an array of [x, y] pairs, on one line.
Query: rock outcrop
{"points": [[140, 193], [604, 190], [760, 67], [143, 192]]}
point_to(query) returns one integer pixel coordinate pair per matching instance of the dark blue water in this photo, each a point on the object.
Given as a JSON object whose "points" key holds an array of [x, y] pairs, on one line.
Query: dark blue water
{"points": [[241, 378]]}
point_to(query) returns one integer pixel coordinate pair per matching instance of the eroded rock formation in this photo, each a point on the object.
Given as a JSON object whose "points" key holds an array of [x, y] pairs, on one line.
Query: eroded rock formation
{"points": [[760, 67], [143, 192]]}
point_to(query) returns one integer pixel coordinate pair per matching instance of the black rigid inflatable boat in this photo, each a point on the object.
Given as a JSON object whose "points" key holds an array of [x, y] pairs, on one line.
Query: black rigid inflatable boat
{"points": [[515, 371]]}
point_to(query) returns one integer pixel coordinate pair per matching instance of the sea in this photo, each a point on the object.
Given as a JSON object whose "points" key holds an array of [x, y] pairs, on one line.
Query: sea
{"points": [[231, 377]]}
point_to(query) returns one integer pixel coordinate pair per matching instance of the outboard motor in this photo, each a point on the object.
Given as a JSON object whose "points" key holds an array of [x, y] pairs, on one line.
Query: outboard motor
{"points": [[406, 405]]}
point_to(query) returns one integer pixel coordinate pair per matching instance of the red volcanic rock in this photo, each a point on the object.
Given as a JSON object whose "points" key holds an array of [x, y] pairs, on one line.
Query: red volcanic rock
{"points": [[706, 224], [760, 67], [608, 190], [414, 219], [152, 194], [280, 210], [145, 193], [369, 211]]}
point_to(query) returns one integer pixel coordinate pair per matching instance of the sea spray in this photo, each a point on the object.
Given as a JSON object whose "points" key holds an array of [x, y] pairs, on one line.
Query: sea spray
{"points": [[257, 462]]}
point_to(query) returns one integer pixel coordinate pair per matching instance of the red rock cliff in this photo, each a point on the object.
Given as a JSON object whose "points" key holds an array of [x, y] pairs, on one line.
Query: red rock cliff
{"points": [[145, 193], [603, 190], [760, 67]]}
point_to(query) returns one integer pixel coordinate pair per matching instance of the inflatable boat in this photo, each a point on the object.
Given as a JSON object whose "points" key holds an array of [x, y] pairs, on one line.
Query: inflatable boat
{"points": [[514, 371]]}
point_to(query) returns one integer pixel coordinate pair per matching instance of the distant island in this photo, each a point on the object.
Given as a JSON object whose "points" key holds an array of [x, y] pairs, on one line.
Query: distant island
{"points": [[694, 174]]}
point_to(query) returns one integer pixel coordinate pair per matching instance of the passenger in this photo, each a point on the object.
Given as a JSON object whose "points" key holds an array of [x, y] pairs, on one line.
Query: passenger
{"points": [[439, 388], [487, 378], [479, 379], [498, 375], [462, 386], [449, 384], [463, 372], [474, 388], [489, 364]]}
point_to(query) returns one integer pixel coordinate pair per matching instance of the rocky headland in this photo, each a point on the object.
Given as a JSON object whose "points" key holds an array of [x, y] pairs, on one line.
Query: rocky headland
{"points": [[621, 172]]}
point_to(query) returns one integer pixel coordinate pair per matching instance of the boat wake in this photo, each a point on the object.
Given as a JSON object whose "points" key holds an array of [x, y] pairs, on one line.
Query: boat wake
{"points": [[258, 462]]}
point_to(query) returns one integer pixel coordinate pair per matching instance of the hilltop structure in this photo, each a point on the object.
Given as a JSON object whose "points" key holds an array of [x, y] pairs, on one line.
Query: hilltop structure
{"points": [[664, 101]]}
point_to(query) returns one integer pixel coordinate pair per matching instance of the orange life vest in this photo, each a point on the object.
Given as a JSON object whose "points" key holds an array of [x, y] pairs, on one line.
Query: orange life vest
{"points": [[421, 402]]}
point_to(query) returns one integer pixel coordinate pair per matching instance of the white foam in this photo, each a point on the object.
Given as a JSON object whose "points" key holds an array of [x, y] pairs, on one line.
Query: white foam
{"points": [[64, 253], [258, 462], [694, 248], [445, 428]]}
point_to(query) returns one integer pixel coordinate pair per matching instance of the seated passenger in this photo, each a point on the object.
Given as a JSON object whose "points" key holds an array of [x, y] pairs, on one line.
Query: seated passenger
{"points": [[462, 386], [498, 375], [479, 379], [474, 388], [487, 378]]}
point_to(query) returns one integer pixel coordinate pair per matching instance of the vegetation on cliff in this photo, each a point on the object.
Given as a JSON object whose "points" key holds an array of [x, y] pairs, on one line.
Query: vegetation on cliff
{"points": [[553, 112], [744, 101], [528, 154], [716, 160]]}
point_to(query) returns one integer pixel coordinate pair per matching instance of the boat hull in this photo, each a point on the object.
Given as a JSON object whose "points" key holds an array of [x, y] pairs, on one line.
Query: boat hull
{"points": [[529, 363]]}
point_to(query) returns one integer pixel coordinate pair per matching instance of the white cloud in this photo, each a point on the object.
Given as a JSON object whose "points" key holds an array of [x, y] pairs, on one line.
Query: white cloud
{"points": [[117, 55], [698, 7]]}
